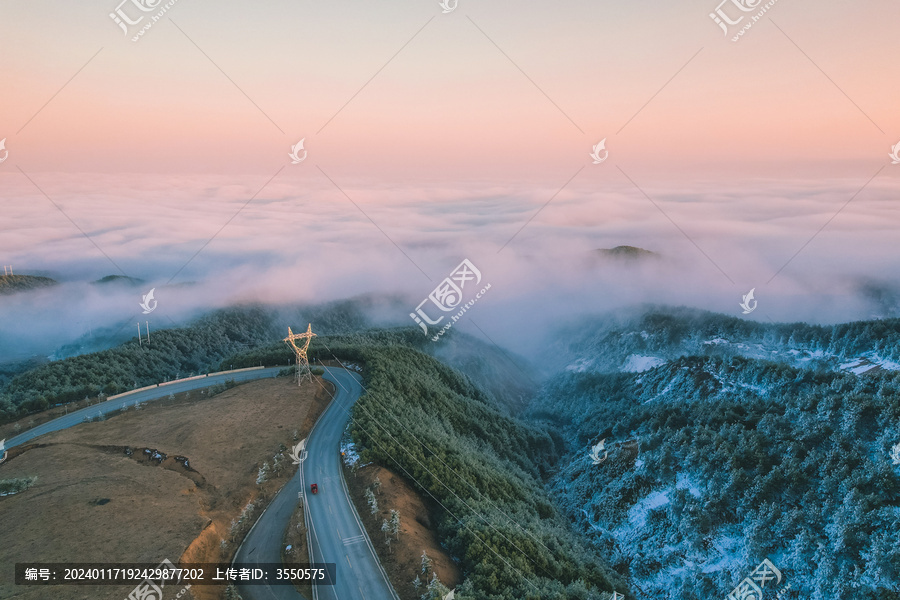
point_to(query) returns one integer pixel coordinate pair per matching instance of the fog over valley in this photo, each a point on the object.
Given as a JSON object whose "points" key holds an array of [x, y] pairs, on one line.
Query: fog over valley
{"points": [[202, 245]]}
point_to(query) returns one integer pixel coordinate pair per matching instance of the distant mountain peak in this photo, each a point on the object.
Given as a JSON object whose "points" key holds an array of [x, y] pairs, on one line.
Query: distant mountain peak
{"points": [[626, 253], [118, 279]]}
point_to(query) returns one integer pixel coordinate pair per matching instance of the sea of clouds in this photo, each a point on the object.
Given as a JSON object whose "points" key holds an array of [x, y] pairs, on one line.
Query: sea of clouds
{"points": [[206, 242]]}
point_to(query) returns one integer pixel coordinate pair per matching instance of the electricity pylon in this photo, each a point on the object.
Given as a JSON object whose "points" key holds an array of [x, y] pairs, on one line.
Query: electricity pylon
{"points": [[303, 372]]}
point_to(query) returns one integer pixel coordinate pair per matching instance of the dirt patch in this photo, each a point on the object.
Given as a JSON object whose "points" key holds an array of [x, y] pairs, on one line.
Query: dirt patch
{"points": [[403, 559], [100, 497]]}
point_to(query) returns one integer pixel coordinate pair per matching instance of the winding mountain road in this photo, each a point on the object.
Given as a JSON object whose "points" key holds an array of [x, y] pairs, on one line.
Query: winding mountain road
{"points": [[336, 534]]}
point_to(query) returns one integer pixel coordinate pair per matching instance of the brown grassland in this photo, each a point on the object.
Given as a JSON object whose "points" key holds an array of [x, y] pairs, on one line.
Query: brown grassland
{"points": [[93, 502]]}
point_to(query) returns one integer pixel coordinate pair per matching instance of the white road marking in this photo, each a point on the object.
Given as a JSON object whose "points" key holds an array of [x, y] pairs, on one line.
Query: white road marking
{"points": [[353, 540]]}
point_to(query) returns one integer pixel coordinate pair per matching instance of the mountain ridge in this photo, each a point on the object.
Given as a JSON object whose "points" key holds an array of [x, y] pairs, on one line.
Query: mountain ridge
{"points": [[13, 284]]}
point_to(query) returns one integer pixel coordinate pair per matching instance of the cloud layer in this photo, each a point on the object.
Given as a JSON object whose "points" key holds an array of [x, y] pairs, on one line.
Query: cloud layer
{"points": [[305, 240]]}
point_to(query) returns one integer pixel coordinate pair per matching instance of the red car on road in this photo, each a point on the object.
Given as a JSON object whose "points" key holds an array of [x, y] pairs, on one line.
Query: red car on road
{"points": [[314, 488]]}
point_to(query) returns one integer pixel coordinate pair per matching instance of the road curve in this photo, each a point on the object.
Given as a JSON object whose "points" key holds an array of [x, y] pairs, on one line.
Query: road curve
{"points": [[77, 416], [337, 536], [335, 532]]}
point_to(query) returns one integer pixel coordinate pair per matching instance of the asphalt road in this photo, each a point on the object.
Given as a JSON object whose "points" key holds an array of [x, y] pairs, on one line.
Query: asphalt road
{"points": [[336, 534], [77, 416]]}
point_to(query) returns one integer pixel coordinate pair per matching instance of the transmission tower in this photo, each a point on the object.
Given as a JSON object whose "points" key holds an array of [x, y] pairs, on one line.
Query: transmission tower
{"points": [[303, 372]]}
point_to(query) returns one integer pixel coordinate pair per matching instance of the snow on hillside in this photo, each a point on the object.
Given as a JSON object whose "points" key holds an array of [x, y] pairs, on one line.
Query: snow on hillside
{"points": [[869, 362], [747, 441], [637, 363], [639, 342], [637, 514]]}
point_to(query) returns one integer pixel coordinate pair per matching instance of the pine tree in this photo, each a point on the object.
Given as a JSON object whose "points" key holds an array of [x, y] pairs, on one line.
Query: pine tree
{"points": [[395, 524], [435, 590], [373, 502], [262, 474]]}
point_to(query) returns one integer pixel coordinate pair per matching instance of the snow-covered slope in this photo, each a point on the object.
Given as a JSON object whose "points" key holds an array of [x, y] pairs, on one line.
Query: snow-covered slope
{"points": [[730, 443], [635, 341]]}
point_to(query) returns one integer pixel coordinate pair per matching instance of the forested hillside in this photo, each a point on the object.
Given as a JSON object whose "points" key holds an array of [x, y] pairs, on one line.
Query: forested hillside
{"points": [[633, 338], [171, 353], [504, 376], [11, 284], [482, 469], [206, 344], [717, 461]]}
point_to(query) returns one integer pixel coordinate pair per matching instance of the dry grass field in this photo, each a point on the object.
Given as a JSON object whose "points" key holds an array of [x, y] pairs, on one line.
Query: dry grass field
{"points": [[93, 502]]}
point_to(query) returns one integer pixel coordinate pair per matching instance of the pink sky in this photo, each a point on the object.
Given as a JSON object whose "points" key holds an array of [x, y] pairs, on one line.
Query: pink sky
{"points": [[451, 106]]}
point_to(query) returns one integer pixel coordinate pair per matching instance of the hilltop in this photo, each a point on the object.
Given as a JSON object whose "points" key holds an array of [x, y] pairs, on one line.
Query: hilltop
{"points": [[625, 253], [11, 284], [118, 279]]}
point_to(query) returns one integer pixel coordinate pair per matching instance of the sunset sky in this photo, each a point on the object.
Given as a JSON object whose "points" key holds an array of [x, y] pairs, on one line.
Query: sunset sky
{"points": [[432, 137], [450, 105]]}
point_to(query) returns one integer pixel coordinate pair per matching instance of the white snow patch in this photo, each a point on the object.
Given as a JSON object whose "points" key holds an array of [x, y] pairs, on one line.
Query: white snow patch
{"points": [[637, 363], [637, 514], [729, 554], [580, 366], [864, 364], [349, 453], [887, 365], [683, 482], [715, 342]]}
